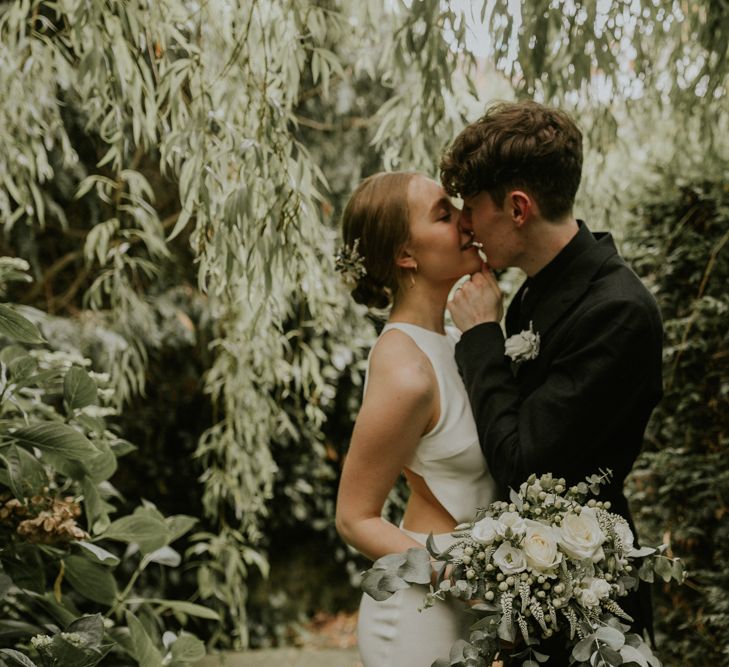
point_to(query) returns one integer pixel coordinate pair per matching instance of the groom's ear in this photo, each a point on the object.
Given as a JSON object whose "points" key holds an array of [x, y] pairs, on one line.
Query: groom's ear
{"points": [[520, 205]]}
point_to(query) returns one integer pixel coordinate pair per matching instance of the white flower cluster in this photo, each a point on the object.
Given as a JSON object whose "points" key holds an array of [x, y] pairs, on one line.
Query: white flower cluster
{"points": [[560, 561]]}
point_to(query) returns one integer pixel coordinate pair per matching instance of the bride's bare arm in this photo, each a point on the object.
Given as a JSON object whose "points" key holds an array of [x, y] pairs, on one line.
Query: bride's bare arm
{"points": [[399, 406]]}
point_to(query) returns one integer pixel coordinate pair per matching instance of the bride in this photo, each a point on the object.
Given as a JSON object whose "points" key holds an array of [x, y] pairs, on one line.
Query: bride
{"points": [[405, 247]]}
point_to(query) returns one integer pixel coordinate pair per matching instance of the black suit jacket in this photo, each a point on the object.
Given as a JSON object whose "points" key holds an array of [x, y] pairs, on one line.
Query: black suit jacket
{"points": [[584, 402]]}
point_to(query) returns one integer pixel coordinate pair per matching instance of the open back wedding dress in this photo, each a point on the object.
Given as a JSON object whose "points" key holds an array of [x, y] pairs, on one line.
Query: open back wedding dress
{"points": [[394, 633]]}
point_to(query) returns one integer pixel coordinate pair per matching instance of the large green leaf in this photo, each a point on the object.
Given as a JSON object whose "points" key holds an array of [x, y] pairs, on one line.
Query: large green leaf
{"points": [[97, 517], [13, 325], [142, 527], [63, 614], [11, 629], [92, 580], [79, 390], [71, 468], [101, 555], [26, 569], [22, 368], [57, 438], [13, 658], [91, 628], [103, 465], [145, 652], [179, 524], [26, 475], [187, 648]]}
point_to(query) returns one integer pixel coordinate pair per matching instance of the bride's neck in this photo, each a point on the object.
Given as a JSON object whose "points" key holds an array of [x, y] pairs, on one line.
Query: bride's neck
{"points": [[420, 306]]}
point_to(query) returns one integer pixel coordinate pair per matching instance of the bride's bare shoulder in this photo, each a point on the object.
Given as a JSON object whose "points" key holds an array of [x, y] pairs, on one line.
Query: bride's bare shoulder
{"points": [[398, 361]]}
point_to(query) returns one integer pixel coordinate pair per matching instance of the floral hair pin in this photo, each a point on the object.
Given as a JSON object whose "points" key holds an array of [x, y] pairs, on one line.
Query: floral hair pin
{"points": [[350, 263]]}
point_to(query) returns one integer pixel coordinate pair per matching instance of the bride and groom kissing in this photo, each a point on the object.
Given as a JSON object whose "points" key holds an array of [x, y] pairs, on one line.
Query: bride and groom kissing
{"points": [[463, 413]]}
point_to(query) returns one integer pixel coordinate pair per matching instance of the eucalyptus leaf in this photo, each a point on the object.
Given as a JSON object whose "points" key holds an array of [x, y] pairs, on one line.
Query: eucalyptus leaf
{"points": [[614, 638], [417, 568], [631, 654], [506, 629], [610, 656], [583, 649], [380, 585], [641, 552], [390, 562]]}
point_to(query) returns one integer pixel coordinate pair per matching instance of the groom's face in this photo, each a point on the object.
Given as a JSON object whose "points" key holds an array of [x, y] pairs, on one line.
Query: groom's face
{"points": [[493, 226]]}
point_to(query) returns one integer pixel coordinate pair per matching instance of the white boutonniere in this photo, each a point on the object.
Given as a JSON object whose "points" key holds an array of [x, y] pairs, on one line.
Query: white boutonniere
{"points": [[523, 346]]}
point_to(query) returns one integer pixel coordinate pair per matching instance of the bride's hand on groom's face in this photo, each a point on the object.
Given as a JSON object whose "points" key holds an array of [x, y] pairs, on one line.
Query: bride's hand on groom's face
{"points": [[477, 301]]}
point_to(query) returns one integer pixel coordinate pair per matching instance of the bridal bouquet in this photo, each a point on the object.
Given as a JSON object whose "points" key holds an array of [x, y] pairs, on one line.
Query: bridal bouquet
{"points": [[548, 561]]}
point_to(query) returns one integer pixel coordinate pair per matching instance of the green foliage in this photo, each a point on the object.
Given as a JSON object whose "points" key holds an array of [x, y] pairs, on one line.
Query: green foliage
{"points": [[57, 454], [172, 174], [681, 483], [591, 55], [169, 145]]}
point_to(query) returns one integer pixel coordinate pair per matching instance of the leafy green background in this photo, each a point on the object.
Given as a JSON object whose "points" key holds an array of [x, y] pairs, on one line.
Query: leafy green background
{"points": [[173, 172]]}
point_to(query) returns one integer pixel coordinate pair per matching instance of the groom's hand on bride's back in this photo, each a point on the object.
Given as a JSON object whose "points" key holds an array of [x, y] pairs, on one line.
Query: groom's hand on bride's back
{"points": [[477, 301]]}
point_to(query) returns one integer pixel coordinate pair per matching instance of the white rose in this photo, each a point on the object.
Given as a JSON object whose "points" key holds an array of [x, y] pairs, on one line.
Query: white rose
{"points": [[511, 520], [509, 559], [580, 536], [485, 531], [599, 587], [622, 529], [522, 346], [540, 547], [587, 598]]}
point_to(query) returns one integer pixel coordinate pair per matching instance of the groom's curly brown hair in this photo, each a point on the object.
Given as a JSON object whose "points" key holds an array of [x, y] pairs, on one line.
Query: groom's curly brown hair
{"points": [[517, 145]]}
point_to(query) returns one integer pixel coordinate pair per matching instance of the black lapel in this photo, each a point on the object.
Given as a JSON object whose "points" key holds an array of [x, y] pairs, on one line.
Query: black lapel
{"points": [[573, 283]]}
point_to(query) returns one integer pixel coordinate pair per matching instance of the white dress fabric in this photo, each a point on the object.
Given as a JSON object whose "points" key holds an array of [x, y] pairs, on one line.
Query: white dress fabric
{"points": [[395, 633]]}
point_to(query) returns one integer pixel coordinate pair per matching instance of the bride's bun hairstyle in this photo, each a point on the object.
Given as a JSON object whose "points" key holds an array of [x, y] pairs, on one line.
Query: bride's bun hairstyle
{"points": [[518, 145], [375, 226]]}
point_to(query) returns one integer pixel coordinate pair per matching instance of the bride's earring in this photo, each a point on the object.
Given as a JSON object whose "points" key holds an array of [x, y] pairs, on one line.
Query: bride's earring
{"points": [[412, 276]]}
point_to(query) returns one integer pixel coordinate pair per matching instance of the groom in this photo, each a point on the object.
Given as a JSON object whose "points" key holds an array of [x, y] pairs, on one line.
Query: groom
{"points": [[583, 401]]}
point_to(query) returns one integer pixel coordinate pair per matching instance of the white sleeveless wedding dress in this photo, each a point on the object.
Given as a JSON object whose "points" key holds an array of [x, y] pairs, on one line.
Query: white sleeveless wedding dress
{"points": [[394, 633]]}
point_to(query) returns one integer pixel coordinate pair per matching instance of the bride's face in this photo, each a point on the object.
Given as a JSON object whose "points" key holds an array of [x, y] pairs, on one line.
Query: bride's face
{"points": [[437, 243]]}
